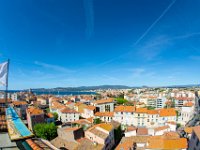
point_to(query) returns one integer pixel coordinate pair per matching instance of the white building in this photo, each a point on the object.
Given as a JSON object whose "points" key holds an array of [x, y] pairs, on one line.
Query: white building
{"points": [[102, 134], [186, 113], [141, 117], [105, 116], [88, 111], [160, 102], [104, 105], [68, 115]]}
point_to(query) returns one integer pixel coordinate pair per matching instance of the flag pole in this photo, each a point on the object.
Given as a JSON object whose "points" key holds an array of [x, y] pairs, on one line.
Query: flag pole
{"points": [[6, 92]]}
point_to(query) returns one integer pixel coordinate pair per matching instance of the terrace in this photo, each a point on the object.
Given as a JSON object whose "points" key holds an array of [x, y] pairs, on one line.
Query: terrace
{"points": [[16, 128]]}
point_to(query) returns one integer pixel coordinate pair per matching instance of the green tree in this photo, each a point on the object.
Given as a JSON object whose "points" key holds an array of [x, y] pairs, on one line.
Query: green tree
{"points": [[178, 125], [150, 108], [97, 121], [121, 100], [48, 110], [45, 131], [55, 115]]}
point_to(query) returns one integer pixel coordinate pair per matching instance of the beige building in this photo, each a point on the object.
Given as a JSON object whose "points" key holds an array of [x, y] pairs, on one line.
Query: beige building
{"points": [[102, 134], [104, 105], [142, 117], [105, 116], [88, 111], [34, 116]]}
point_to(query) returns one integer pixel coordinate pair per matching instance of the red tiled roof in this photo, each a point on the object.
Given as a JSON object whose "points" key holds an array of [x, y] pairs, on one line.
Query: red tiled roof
{"points": [[19, 103], [167, 112], [35, 111], [101, 114], [122, 108], [68, 110], [33, 145], [142, 131], [102, 101]]}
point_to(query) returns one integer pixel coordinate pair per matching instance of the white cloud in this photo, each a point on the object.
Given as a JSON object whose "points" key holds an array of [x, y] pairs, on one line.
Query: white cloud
{"points": [[138, 72], [54, 67], [89, 16]]}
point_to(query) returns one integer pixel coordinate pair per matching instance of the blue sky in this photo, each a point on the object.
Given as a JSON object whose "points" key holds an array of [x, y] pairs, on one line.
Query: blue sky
{"points": [[93, 42]]}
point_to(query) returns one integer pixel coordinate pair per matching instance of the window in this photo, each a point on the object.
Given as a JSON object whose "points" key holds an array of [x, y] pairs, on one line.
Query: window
{"points": [[107, 108]]}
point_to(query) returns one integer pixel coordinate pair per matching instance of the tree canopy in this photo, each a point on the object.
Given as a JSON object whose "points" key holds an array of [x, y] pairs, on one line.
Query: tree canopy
{"points": [[121, 100], [46, 131], [55, 115]]}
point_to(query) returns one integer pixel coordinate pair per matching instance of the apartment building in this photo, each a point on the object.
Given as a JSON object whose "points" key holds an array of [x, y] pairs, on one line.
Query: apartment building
{"points": [[68, 115], [104, 105], [105, 116], [88, 111], [34, 116], [102, 134], [141, 117], [180, 101], [186, 113], [160, 102], [20, 107]]}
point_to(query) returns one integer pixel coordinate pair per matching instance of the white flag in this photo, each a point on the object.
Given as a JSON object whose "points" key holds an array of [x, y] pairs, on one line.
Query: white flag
{"points": [[3, 73]]}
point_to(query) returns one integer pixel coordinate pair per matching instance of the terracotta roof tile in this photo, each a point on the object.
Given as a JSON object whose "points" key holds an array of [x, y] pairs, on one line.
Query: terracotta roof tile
{"points": [[101, 114], [68, 110], [141, 110], [184, 98], [125, 145], [122, 108], [19, 103], [188, 104], [157, 142], [35, 111], [102, 101], [167, 112], [161, 128], [152, 112], [106, 126], [90, 107], [33, 145], [142, 131], [188, 130]]}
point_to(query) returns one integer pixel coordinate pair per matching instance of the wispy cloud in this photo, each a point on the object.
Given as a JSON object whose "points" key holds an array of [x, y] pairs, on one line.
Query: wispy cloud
{"points": [[153, 47], [185, 36], [54, 67], [138, 72], [154, 23], [89, 16]]}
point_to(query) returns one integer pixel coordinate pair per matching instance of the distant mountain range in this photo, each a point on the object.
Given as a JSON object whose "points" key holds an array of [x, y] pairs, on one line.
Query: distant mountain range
{"points": [[101, 87], [105, 87], [84, 88]]}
